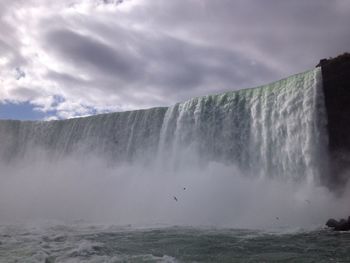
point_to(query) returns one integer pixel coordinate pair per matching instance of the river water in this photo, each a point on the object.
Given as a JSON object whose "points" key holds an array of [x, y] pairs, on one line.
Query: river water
{"points": [[80, 242]]}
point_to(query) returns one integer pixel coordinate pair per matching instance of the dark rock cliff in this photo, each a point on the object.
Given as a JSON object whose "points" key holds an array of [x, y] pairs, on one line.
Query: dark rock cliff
{"points": [[336, 86]]}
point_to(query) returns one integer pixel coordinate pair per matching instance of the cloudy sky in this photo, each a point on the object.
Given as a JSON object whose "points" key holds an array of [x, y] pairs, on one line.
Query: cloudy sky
{"points": [[60, 59]]}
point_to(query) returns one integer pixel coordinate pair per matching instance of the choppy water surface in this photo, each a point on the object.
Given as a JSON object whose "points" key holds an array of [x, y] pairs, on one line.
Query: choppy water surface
{"points": [[76, 243]]}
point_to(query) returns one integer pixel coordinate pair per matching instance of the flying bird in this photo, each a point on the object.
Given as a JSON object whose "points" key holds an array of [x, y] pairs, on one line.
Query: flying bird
{"points": [[175, 198]]}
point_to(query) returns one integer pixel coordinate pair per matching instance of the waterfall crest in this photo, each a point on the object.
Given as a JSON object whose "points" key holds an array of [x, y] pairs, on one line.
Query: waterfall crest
{"points": [[273, 130], [276, 130]]}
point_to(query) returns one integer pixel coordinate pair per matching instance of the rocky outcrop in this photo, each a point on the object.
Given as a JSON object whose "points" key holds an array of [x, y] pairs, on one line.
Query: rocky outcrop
{"points": [[341, 225], [336, 86]]}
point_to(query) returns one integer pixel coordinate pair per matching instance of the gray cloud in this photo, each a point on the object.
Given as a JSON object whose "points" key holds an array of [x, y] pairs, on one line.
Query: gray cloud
{"points": [[84, 51], [25, 93], [118, 55]]}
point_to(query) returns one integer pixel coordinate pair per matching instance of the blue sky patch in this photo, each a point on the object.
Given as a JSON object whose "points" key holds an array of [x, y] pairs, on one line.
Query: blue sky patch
{"points": [[22, 111]]}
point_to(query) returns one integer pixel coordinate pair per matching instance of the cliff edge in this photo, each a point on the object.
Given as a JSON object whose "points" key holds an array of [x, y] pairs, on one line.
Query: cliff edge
{"points": [[336, 86]]}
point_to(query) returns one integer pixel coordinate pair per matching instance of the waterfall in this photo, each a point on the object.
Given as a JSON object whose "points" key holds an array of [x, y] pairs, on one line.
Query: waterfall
{"points": [[273, 130], [276, 130], [118, 136]]}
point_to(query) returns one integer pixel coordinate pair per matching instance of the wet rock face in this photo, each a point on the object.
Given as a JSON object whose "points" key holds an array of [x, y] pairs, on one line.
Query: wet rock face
{"points": [[336, 85], [332, 222], [341, 225]]}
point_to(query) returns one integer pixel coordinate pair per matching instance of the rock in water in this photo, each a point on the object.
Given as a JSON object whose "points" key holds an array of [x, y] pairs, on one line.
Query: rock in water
{"points": [[332, 222], [342, 225]]}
